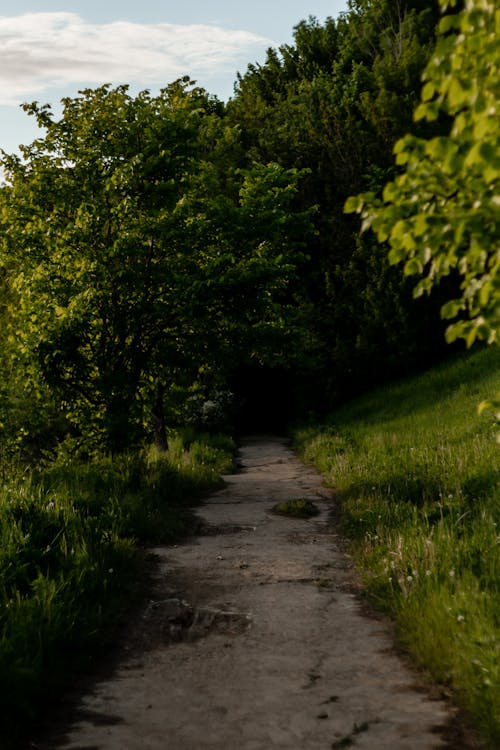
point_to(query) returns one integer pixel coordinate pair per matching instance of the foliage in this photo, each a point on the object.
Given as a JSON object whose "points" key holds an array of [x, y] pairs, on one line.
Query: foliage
{"points": [[296, 508], [67, 555], [212, 413], [440, 215], [418, 483], [153, 246], [135, 256], [335, 102]]}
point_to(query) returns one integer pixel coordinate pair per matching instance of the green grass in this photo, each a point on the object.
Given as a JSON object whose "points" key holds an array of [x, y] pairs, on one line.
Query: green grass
{"points": [[296, 508], [70, 560], [418, 472]]}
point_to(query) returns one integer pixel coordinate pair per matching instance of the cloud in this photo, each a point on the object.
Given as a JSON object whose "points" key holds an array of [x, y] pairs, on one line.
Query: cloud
{"points": [[39, 51]]}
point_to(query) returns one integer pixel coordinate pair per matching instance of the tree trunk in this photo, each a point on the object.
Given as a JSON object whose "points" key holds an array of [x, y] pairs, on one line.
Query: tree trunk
{"points": [[159, 427]]}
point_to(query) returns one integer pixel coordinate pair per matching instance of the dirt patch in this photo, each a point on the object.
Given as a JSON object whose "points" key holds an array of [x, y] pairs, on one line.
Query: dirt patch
{"points": [[254, 639], [173, 620], [207, 529]]}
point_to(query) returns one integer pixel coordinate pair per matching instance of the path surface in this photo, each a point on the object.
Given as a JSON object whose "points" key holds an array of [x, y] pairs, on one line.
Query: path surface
{"points": [[255, 641]]}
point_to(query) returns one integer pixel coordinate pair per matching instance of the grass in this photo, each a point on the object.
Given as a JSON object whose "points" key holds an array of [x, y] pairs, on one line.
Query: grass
{"points": [[70, 560], [296, 508], [417, 471]]}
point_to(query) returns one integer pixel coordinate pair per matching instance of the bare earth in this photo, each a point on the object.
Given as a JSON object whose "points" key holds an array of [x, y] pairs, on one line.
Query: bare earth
{"points": [[255, 640]]}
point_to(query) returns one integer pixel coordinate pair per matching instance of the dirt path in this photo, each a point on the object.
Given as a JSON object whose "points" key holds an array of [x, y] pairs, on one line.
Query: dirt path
{"points": [[255, 641]]}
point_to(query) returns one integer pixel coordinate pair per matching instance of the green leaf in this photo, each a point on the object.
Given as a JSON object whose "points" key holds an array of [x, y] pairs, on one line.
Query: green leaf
{"points": [[390, 192], [399, 231], [448, 23], [408, 242], [451, 309], [459, 93], [426, 110], [354, 204], [428, 91], [397, 253]]}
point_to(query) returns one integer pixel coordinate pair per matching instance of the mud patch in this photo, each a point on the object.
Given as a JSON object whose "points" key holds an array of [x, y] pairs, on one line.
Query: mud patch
{"points": [[173, 620], [350, 739], [208, 529]]}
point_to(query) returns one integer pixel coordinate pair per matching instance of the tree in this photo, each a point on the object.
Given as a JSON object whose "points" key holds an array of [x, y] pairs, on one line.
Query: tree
{"points": [[335, 102], [128, 242], [441, 214]]}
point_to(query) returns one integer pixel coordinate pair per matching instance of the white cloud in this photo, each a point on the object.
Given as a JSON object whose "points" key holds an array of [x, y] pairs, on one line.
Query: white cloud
{"points": [[39, 51]]}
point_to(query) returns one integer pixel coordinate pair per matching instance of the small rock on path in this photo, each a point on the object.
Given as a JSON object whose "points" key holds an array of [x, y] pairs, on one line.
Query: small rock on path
{"points": [[255, 640]]}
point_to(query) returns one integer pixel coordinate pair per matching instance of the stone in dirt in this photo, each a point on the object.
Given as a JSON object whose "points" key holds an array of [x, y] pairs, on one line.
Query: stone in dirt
{"points": [[264, 643]]}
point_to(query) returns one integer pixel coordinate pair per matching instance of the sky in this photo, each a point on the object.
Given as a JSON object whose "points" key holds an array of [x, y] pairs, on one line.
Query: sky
{"points": [[54, 48]]}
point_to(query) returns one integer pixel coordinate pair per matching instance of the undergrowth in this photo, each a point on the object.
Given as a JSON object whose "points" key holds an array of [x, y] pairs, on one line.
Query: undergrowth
{"points": [[69, 552], [296, 508], [417, 471]]}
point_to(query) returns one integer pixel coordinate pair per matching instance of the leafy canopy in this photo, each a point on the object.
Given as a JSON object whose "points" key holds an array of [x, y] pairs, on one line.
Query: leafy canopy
{"points": [[442, 213], [137, 253]]}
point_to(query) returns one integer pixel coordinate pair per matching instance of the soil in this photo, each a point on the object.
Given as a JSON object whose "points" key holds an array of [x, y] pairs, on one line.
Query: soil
{"points": [[255, 638]]}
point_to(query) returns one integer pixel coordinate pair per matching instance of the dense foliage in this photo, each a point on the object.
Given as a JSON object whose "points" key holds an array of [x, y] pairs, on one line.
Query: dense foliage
{"points": [[152, 247], [335, 102], [134, 259], [442, 213]]}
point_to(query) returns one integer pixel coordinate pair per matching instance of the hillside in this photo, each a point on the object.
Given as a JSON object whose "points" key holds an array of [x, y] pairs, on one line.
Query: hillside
{"points": [[417, 472]]}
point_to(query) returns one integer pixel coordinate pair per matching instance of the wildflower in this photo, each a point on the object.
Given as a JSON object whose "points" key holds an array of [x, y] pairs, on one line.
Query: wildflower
{"points": [[111, 570], [409, 579], [428, 573], [452, 574], [460, 618]]}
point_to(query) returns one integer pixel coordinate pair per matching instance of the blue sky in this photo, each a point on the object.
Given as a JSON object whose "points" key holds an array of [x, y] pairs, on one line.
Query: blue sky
{"points": [[52, 48]]}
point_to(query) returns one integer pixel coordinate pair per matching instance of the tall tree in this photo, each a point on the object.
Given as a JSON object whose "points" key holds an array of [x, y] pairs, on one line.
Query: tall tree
{"points": [[131, 248], [335, 102], [441, 216]]}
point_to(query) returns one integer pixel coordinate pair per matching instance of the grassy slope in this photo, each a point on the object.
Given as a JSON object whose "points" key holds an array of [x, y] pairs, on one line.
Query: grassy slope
{"points": [[69, 561], [418, 475]]}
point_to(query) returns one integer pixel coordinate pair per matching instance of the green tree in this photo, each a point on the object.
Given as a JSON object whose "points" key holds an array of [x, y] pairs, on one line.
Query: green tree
{"points": [[335, 102], [441, 215], [131, 247]]}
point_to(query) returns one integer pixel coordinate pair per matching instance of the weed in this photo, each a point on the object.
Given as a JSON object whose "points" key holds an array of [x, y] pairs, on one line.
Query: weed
{"points": [[296, 508]]}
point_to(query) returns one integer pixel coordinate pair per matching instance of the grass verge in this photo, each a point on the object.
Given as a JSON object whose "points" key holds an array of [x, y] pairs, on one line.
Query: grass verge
{"points": [[417, 471], [69, 555]]}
